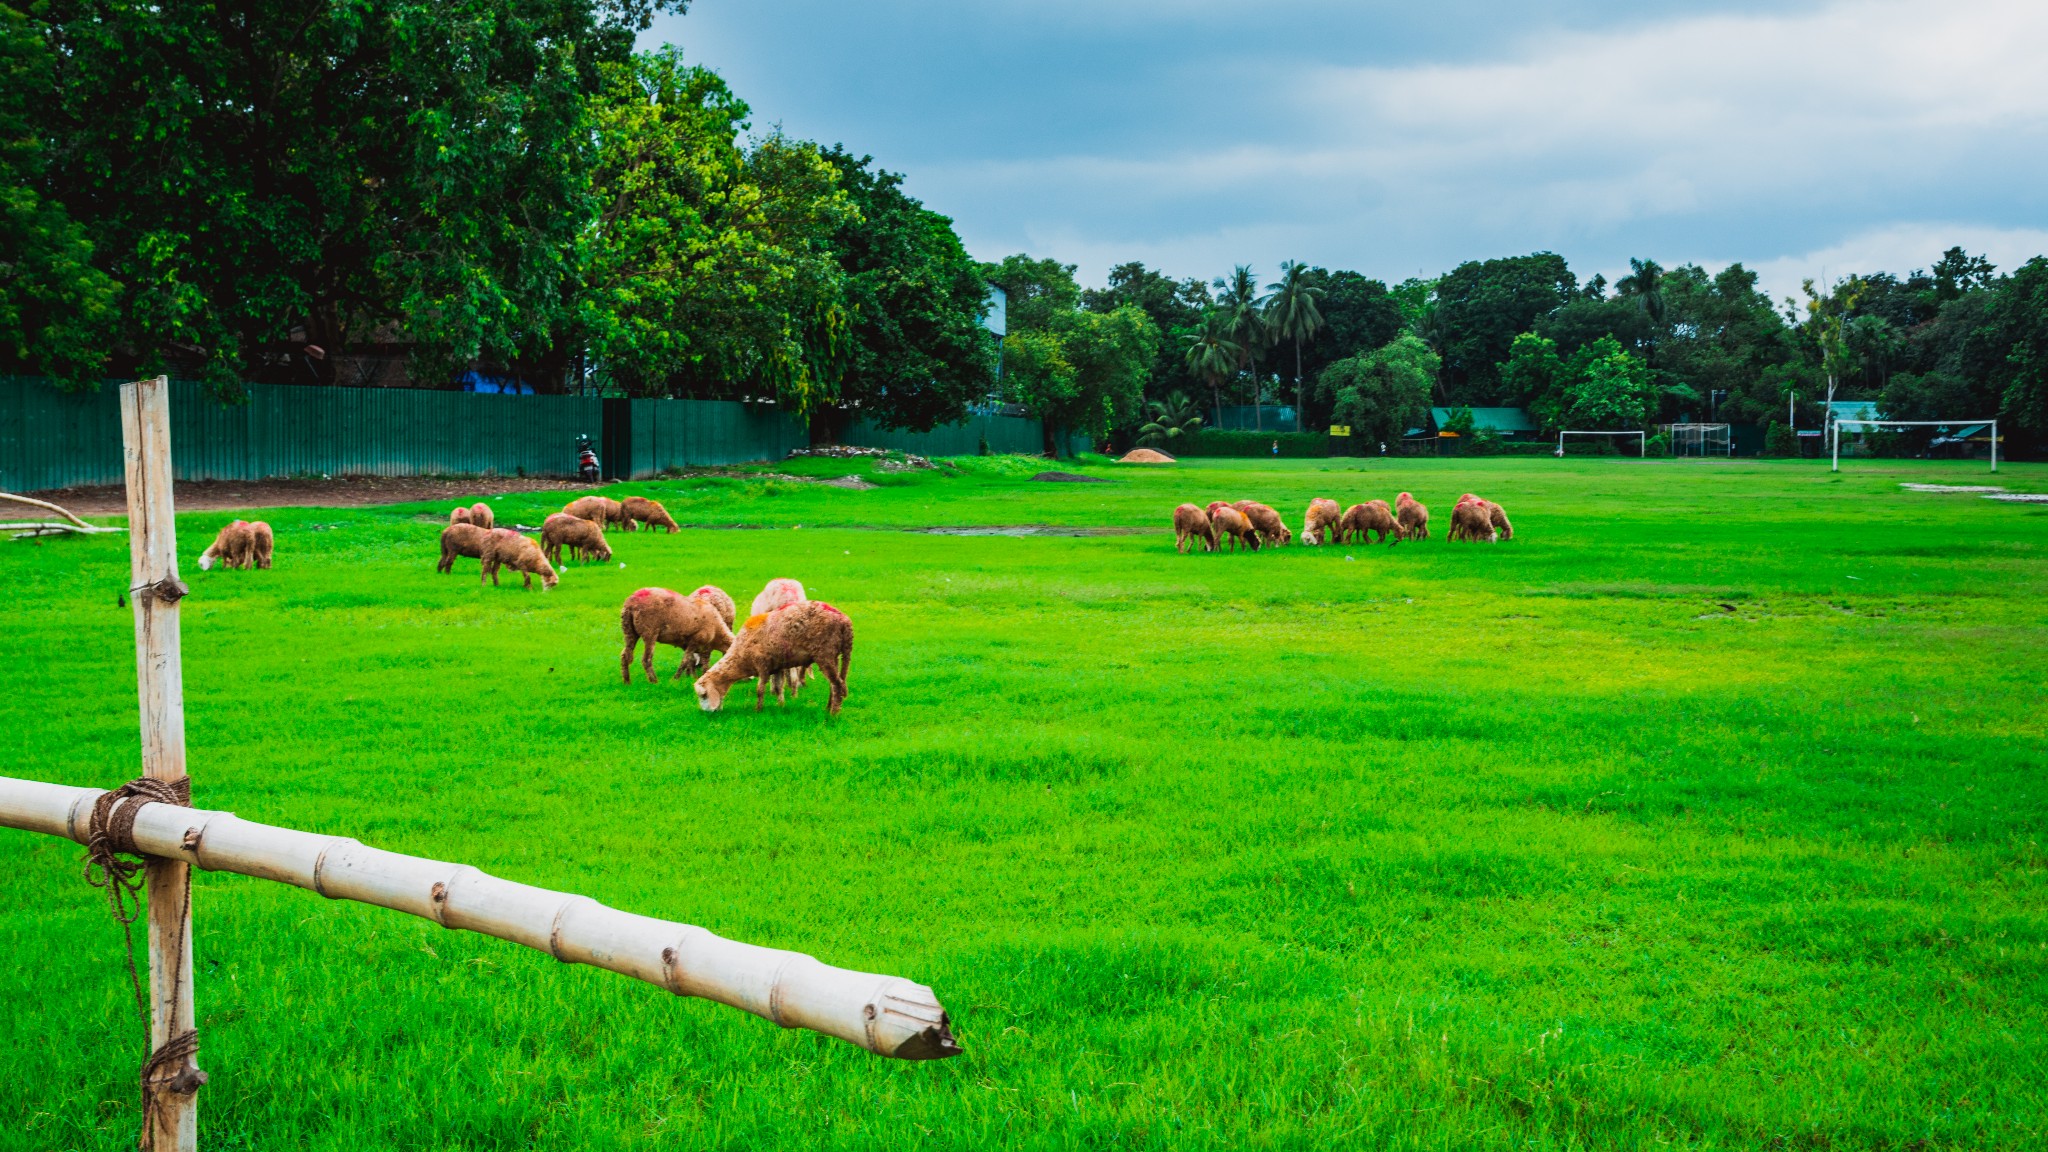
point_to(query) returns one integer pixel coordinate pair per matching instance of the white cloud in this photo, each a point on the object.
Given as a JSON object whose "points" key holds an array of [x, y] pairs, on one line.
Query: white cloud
{"points": [[1742, 135], [1895, 248]]}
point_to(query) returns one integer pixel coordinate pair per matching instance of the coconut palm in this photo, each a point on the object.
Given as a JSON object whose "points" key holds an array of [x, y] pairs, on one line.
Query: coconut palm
{"points": [[1172, 419], [1248, 328], [1291, 314], [1213, 355]]}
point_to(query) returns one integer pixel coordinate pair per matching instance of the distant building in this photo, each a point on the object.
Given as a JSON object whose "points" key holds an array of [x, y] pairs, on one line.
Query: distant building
{"points": [[1506, 423]]}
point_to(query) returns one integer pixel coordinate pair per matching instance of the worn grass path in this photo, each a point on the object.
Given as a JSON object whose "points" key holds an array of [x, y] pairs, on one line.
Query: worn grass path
{"points": [[1709, 811]]}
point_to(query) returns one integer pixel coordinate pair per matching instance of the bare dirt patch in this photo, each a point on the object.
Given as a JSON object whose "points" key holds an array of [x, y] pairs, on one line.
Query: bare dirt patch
{"points": [[339, 492]]}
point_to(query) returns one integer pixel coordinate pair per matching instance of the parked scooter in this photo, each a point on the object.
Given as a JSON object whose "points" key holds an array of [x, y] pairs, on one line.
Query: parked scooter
{"points": [[586, 460]]}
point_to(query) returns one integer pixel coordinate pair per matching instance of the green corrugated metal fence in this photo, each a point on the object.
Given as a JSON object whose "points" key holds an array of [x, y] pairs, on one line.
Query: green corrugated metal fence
{"points": [[53, 439], [1005, 435]]}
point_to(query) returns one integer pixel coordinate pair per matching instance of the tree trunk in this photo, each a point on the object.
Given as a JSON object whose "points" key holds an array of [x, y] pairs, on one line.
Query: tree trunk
{"points": [[1300, 399]]}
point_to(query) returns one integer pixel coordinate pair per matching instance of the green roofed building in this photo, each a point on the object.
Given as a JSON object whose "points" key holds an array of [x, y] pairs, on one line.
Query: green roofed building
{"points": [[1507, 423]]}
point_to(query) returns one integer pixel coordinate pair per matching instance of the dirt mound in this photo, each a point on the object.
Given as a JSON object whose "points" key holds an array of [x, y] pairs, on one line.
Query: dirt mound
{"points": [[1069, 478], [1145, 456]]}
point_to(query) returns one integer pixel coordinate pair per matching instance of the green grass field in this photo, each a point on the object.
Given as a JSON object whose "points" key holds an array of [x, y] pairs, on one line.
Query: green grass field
{"points": [[1707, 812]]}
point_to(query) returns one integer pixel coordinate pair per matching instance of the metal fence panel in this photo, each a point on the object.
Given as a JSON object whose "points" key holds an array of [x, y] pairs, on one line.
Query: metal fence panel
{"points": [[700, 433], [1005, 435]]}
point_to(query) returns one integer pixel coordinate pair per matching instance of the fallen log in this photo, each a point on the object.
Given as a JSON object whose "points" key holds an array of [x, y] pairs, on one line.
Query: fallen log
{"points": [[886, 1015], [46, 527]]}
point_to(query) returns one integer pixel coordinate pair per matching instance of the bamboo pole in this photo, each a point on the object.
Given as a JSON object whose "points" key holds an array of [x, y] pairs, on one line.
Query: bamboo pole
{"points": [[886, 1015], [172, 1120], [81, 526]]}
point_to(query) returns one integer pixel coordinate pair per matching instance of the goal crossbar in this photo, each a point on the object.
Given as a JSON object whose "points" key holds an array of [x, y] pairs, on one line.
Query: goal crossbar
{"points": [[1562, 433], [1836, 426]]}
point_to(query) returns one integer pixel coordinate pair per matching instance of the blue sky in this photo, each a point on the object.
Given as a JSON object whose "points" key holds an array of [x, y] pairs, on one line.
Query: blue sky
{"points": [[1801, 138]]}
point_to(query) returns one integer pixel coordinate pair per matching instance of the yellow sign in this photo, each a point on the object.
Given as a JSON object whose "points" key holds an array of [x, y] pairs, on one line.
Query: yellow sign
{"points": [[1340, 429]]}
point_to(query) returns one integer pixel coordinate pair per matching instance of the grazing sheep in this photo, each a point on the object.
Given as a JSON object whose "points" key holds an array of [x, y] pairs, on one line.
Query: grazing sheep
{"points": [[721, 603], [504, 547], [1191, 523], [1469, 521], [599, 510], [795, 636], [1362, 520], [658, 616], [1413, 517], [1272, 529], [480, 515], [781, 592], [235, 547], [261, 543], [461, 515], [1317, 522], [649, 512], [1498, 516], [585, 539], [1231, 523], [462, 539]]}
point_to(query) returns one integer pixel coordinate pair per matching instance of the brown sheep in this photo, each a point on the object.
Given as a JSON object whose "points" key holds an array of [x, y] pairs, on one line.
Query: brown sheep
{"points": [[504, 547], [480, 515], [464, 539], [1470, 522], [261, 543], [658, 616], [1498, 516], [1412, 516], [796, 636], [1320, 519], [235, 547], [599, 510], [1272, 529], [1230, 523], [714, 597], [1362, 520], [649, 512], [461, 515], [1191, 523], [781, 592], [585, 539]]}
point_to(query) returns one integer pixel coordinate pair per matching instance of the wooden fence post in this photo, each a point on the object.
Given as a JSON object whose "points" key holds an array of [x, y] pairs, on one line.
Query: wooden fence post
{"points": [[172, 1119]]}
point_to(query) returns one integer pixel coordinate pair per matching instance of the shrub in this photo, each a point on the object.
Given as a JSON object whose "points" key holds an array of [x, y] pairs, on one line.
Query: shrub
{"points": [[1658, 445], [1780, 440]]}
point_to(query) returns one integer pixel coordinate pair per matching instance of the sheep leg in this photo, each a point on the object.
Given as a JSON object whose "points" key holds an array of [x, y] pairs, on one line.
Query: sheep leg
{"points": [[837, 676], [626, 657], [647, 661], [760, 691]]}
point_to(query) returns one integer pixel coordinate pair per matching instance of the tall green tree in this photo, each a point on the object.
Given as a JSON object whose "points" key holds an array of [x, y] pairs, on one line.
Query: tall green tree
{"points": [[1249, 330], [918, 354], [1175, 306], [710, 269], [57, 311], [1039, 289], [1482, 306], [1210, 353], [1292, 315]]}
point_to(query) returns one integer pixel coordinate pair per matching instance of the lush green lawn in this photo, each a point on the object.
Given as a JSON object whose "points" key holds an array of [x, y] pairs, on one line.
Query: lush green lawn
{"points": [[1709, 811]]}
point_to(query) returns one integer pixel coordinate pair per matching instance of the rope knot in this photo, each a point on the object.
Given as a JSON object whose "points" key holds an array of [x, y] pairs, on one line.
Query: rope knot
{"points": [[168, 591]]}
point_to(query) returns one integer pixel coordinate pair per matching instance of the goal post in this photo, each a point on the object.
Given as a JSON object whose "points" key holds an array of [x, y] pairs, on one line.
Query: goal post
{"points": [[1835, 434], [1701, 440], [1641, 443]]}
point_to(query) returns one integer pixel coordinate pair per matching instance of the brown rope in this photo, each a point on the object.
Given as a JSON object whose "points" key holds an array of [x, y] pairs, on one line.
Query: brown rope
{"points": [[110, 836]]}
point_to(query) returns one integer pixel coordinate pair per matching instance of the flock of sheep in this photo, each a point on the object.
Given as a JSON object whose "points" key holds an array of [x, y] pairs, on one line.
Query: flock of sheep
{"points": [[1250, 524], [783, 638]]}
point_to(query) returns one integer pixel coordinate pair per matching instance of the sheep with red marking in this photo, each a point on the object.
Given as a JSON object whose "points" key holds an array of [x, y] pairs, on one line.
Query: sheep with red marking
{"points": [[599, 510], [1191, 523], [1499, 518], [795, 636], [1412, 516], [463, 539], [1470, 522], [236, 547], [461, 515], [480, 515], [1320, 520], [781, 592], [504, 548], [584, 539], [1362, 520], [653, 616], [1231, 525], [649, 512], [1271, 528]]}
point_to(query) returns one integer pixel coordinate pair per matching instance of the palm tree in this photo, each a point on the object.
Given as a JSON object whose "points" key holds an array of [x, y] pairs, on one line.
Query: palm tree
{"points": [[1213, 355], [1248, 329], [1171, 419], [1291, 313], [1645, 285]]}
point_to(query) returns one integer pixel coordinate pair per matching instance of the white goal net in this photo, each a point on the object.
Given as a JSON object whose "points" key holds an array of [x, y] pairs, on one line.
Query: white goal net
{"points": [[1620, 440], [1701, 439]]}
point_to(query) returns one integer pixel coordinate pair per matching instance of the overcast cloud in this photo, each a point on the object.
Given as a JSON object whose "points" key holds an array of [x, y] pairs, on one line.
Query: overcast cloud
{"points": [[1804, 139]]}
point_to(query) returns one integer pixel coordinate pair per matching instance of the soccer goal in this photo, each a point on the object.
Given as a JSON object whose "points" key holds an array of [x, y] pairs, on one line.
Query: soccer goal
{"points": [[1953, 430], [1701, 439], [1569, 432]]}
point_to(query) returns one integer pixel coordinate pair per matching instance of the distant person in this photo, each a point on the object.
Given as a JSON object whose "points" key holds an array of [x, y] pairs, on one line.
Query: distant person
{"points": [[1383, 447], [1276, 447]]}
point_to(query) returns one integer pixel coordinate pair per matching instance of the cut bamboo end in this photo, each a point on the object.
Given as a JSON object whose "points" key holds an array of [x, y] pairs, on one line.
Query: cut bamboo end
{"points": [[886, 1015]]}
